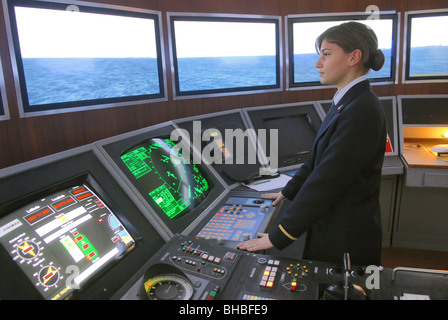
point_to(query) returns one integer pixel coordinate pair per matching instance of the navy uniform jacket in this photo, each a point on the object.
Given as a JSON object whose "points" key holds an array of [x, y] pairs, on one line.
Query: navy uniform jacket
{"points": [[335, 194]]}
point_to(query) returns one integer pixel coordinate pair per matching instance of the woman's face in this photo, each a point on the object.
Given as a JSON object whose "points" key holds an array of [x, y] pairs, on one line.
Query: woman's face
{"points": [[334, 65]]}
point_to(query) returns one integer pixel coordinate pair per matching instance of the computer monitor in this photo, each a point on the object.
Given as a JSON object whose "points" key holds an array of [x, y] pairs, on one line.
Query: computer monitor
{"points": [[117, 45], [166, 176], [433, 114], [226, 133], [297, 126], [68, 231]]}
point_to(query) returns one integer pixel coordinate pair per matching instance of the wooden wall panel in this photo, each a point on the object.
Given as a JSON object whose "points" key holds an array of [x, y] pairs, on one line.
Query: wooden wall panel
{"points": [[23, 139]]}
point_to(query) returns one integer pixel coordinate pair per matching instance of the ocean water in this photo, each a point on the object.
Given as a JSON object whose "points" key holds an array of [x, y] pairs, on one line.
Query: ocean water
{"points": [[211, 73], [432, 60], [305, 67], [51, 80]]}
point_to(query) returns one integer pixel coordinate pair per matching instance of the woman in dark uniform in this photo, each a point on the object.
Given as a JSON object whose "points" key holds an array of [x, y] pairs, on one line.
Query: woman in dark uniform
{"points": [[335, 194]]}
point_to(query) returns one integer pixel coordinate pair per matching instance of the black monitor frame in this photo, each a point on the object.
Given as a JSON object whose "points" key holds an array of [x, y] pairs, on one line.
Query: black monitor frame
{"points": [[235, 173], [426, 110], [256, 116], [173, 17], [30, 181], [112, 150], [57, 107], [2, 106], [407, 78], [339, 17]]}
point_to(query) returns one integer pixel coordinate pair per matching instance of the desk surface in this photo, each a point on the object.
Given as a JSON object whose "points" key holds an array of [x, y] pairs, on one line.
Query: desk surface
{"points": [[419, 154]]}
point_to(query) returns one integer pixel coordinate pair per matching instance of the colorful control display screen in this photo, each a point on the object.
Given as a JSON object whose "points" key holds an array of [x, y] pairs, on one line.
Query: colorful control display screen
{"points": [[239, 219], [174, 187], [63, 240]]}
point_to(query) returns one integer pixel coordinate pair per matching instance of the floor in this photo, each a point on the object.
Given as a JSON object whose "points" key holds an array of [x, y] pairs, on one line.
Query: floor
{"points": [[402, 257]]}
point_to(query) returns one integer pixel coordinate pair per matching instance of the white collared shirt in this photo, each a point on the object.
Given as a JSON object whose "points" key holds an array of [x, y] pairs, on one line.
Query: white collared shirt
{"points": [[338, 96]]}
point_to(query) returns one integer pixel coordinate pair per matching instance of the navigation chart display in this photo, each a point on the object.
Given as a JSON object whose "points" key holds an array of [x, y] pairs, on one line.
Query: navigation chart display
{"points": [[174, 187], [64, 239]]}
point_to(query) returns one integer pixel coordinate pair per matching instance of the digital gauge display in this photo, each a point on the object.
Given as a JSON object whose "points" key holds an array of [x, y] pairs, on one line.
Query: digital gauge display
{"points": [[174, 187], [169, 287], [64, 239]]}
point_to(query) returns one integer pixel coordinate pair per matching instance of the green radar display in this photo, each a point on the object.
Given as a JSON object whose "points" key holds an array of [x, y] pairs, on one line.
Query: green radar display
{"points": [[174, 187]]}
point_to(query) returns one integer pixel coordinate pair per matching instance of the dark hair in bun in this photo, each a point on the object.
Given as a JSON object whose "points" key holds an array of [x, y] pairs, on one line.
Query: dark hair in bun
{"points": [[355, 35]]}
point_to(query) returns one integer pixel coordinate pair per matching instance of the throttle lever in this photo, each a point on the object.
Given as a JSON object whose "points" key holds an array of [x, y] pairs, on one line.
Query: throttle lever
{"points": [[347, 268], [347, 262]]}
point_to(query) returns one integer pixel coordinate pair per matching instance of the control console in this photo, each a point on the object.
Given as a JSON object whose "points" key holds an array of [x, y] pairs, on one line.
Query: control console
{"points": [[190, 268], [198, 269], [270, 278], [186, 268], [239, 218]]}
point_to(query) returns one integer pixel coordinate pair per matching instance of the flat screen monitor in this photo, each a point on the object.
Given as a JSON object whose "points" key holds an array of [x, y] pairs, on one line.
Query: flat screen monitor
{"points": [[297, 126], [170, 181], [425, 46], [71, 228], [223, 54], [68, 231], [174, 187], [424, 110], [303, 30], [65, 53], [226, 134]]}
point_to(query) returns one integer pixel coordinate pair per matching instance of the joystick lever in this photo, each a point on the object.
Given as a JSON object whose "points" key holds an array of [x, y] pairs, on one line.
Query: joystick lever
{"points": [[347, 269], [347, 263], [345, 290]]}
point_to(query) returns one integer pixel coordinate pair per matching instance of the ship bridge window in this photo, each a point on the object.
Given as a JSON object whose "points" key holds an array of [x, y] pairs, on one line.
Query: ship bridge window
{"points": [[426, 46], [303, 30], [71, 58], [215, 55]]}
